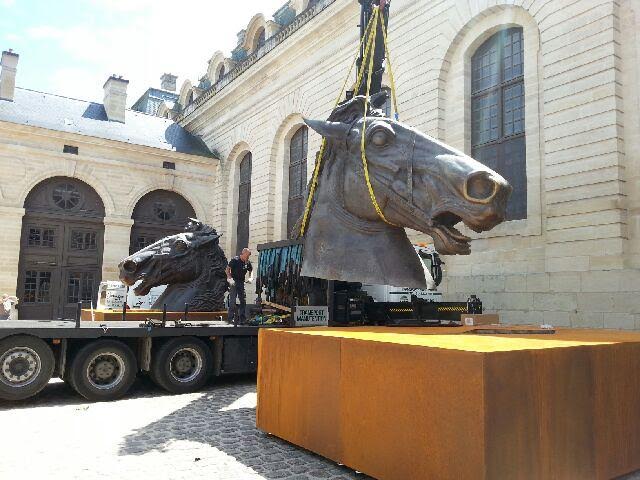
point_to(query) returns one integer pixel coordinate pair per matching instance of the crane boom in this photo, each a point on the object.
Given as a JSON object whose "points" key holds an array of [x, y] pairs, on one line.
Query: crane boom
{"points": [[366, 10]]}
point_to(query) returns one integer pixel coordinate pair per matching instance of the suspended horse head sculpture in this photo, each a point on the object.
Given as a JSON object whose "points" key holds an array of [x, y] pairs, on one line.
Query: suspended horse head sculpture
{"points": [[419, 183], [191, 263]]}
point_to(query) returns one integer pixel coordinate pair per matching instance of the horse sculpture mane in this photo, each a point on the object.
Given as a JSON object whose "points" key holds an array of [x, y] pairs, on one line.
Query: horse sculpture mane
{"points": [[419, 183], [191, 263]]}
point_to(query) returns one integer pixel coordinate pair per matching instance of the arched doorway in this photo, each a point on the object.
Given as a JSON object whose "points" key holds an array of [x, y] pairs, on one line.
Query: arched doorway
{"points": [[158, 214], [244, 203], [61, 248]]}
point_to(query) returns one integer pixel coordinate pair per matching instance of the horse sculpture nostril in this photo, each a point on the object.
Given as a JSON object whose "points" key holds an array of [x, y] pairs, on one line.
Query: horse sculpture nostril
{"points": [[129, 266], [480, 187]]}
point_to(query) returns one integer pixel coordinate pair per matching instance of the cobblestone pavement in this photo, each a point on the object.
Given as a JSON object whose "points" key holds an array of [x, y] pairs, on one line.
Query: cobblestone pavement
{"points": [[152, 435], [149, 434]]}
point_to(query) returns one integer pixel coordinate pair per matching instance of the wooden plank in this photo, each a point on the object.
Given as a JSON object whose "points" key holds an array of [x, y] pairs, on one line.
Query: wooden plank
{"points": [[276, 306]]}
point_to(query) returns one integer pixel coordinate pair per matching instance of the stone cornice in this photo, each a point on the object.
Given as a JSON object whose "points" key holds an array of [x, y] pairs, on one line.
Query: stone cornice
{"points": [[118, 221], [301, 20]]}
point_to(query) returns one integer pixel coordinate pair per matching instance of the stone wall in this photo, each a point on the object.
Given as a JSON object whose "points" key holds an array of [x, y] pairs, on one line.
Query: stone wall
{"points": [[120, 173], [574, 259]]}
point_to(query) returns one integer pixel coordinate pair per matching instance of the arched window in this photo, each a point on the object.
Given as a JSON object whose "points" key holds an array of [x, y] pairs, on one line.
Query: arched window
{"points": [[244, 203], [158, 214], [497, 113], [221, 73], [189, 98], [297, 177], [260, 39]]}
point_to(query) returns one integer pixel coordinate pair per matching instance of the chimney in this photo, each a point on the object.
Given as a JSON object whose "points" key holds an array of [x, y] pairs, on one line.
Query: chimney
{"points": [[168, 82], [8, 75], [115, 98]]}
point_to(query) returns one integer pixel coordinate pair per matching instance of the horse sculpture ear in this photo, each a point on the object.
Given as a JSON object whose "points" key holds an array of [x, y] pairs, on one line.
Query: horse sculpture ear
{"points": [[334, 130]]}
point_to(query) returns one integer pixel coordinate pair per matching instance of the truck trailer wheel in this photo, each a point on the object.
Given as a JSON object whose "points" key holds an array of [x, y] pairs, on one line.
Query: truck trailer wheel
{"points": [[182, 365], [26, 366], [103, 370]]}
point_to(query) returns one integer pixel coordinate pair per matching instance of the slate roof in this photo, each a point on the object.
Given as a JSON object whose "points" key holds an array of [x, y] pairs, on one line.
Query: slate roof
{"points": [[81, 117]]}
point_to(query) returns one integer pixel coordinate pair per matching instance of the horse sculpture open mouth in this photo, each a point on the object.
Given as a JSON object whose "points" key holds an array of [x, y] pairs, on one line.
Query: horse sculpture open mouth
{"points": [[379, 177], [447, 237], [191, 263]]}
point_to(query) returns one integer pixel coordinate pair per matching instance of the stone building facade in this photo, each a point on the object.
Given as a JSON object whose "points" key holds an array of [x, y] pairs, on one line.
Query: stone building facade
{"points": [[571, 252], [82, 184], [544, 91]]}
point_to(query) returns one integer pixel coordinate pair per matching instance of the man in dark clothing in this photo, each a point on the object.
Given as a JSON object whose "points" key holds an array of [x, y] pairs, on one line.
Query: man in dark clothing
{"points": [[236, 272]]}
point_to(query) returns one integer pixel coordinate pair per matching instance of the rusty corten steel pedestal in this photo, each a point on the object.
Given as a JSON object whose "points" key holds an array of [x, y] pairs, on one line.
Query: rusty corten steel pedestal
{"points": [[425, 404]]}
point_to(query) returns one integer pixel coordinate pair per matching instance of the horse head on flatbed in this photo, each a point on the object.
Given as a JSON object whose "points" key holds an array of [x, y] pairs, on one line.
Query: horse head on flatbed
{"points": [[418, 183], [191, 263]]}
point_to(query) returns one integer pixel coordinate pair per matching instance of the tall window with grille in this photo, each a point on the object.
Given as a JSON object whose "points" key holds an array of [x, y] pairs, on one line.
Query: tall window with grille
{"points": [[244, 203], [497, 113], [297, 177]]}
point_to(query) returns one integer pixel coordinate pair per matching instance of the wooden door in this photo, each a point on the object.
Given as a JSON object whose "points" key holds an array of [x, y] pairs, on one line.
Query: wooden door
{"points": [[61, 249]]}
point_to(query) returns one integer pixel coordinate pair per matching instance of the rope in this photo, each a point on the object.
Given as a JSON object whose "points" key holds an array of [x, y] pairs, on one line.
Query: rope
{"points": [[316, 170], [365, 166], [369, 37]]}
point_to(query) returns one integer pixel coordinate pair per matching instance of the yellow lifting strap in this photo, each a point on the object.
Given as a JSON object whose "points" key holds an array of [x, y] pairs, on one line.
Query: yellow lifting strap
{"points": [[369, 39]]}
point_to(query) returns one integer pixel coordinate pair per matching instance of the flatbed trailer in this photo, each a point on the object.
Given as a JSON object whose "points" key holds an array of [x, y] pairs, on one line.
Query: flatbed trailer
{"points": [[101, 360]]}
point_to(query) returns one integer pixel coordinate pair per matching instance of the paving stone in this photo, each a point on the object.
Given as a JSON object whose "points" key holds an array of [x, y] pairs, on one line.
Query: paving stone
{"points": [[151, 434]]}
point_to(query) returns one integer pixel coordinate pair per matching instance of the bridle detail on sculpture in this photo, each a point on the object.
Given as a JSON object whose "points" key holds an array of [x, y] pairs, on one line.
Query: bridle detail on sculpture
{"points": [[420, 183], [191, 263]]}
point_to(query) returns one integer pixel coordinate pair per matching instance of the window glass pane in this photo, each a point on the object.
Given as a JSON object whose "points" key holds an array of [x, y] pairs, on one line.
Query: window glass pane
{"points": [[484, 66], [48, 238], [487, 155], [83, 240], [44, 287], [73, 288], [244, 203], [513, 167], [513, 55], [143, 241], [484, 112], [30, 286], [66, 196], [88, 287], [35, 237], [513, 109]]}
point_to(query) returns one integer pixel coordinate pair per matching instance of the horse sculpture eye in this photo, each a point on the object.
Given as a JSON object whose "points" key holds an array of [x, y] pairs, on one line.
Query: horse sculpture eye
{"points": [[379, 138], [181, 247]]}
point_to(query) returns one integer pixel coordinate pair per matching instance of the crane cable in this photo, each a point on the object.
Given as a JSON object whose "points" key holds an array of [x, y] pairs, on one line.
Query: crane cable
{"points": [[368, 38]]}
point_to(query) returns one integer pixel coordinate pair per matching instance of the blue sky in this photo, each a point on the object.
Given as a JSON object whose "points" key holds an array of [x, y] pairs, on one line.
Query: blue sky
{"points": [[70, 47]]}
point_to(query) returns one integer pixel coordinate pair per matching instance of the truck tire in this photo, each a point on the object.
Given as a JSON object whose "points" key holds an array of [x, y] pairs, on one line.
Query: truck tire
{"points": [[182, 365], [26, 366], [103, 370]]}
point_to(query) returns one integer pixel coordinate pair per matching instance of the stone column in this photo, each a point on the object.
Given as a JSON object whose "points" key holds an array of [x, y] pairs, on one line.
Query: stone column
{"points": [[117, 234], [10, 254]]}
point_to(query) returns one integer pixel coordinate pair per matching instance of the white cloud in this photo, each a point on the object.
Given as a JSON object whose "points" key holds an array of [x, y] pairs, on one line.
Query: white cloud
{"points": [[44, 32], [141, 39], [77, 83]]}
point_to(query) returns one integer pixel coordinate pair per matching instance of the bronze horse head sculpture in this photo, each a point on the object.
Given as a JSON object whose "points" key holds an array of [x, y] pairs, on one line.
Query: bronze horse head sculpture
{"points": [[419, 183], [191, 263]]}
